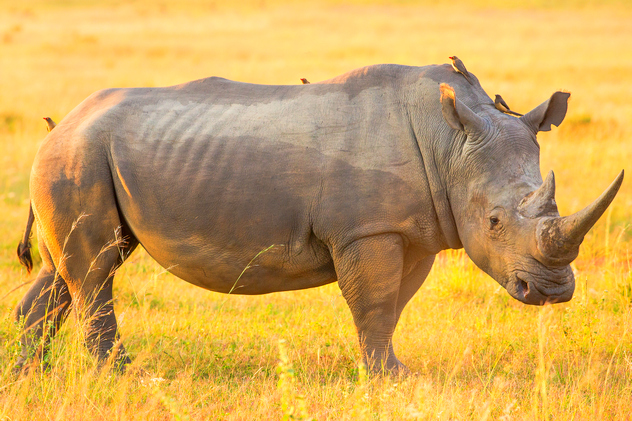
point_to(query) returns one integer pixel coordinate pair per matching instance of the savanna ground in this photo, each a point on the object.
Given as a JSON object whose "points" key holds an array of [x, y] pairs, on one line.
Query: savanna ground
{"points": [[476, 353]]}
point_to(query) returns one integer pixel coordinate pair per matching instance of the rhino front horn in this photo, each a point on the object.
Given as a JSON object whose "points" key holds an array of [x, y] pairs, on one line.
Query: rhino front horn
{"points": [[558, 238]]}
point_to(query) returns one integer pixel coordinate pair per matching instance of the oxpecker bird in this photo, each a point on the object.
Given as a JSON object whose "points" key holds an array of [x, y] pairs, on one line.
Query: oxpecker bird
{"points": [[50, 124], [459, 67], [501, 105], [305, 81]]}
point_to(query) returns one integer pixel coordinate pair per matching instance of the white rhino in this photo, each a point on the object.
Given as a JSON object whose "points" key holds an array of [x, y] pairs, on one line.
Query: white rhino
{"points": [[361, 179]]}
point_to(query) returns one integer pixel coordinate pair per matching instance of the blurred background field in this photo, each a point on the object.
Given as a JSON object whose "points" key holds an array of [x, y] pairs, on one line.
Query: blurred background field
{"points": [[478, 354]]}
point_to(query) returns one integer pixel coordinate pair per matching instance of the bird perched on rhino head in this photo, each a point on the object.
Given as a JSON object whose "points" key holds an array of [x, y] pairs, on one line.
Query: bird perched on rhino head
{"points": [[305, 81], [501, 105], [459, 67], [50, 124]]}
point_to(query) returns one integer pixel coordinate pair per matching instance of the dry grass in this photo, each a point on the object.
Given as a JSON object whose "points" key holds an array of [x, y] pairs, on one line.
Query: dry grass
{"points": [[478, 354]]}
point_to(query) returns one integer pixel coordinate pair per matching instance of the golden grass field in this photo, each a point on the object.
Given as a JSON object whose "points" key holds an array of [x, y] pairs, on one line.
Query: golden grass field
{"points": [[476, 353]]}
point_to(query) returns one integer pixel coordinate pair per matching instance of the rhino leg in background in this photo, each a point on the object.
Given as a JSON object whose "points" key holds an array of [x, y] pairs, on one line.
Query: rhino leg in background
{"points": [[412, 282], [47, 303], [408, 287], [369, 275]]}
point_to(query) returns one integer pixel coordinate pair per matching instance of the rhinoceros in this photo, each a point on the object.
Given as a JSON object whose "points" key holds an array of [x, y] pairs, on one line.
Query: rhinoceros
{"points": [[361, 179]]}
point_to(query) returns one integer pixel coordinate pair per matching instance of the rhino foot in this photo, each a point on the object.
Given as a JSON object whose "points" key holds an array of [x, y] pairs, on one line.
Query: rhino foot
{"points": [[23, 367], [399, 370], [117, 363], [391, 367]]}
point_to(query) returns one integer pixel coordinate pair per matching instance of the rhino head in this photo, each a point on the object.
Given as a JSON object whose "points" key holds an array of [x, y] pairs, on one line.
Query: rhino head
{"points": [[506, 216]]}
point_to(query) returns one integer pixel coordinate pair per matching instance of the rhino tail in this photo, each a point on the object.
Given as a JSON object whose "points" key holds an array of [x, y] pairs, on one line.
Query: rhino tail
{"points": [[24, 248]]}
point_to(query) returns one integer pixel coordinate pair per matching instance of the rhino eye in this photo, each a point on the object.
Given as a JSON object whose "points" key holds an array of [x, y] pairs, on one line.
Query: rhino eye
{"points": [[493, 221]]}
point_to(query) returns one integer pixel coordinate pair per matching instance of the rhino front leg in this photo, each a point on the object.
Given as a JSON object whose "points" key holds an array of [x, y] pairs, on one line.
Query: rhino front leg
{"points": [[369, 275], [412, 282]]}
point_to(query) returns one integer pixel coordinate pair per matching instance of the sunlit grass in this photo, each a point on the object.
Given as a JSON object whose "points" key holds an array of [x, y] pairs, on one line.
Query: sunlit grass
{"points": [[476, 352]]}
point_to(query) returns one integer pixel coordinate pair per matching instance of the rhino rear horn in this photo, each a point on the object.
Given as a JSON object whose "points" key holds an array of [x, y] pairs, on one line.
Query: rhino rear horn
{"points": [[542, 201], [458, 115], [549, 112], [558, 238]]}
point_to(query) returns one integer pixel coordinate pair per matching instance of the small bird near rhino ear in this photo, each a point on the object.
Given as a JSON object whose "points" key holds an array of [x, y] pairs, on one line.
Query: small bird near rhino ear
{"points": [[459, 67], [501, 105], [50, 124], [305, 81]]}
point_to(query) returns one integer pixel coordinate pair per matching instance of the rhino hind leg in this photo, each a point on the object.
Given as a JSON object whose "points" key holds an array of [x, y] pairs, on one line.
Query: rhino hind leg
{"points": [[48, 302], [89, 272], [43, 310], [87, 238], [369, 275]]}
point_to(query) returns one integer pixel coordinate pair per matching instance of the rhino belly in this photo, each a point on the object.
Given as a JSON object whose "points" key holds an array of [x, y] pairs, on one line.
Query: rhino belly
{"points": [[208, 212]]}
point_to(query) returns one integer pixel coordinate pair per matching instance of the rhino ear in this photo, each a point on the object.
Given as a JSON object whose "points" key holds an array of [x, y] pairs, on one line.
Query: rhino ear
{"points": [[457, 114], [549, 112]]}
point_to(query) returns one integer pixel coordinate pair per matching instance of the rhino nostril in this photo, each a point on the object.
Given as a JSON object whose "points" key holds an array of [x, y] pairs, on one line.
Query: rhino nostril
{"points": [[524, 286]]}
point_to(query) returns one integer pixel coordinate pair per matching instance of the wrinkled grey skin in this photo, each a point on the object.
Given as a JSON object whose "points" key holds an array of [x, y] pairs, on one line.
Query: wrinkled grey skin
{"points": [[361, 179]]}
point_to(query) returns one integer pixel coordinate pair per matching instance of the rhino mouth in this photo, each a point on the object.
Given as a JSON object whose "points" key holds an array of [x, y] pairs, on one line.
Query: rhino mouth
{"points": [[529, 290]]}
